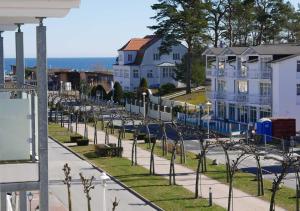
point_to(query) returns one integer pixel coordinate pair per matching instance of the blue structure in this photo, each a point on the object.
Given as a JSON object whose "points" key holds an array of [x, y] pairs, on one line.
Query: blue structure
{"points": [[264, 127]]}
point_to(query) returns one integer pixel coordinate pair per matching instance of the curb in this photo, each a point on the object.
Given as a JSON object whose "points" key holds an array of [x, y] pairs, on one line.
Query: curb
{"points": [[112, 177]]}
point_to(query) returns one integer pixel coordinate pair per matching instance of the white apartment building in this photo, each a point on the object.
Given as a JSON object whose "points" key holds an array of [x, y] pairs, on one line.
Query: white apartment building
{"points": [[249, 83], [140, 58]]}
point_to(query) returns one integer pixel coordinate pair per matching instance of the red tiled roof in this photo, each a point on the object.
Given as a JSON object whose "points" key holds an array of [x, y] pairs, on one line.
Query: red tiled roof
{"points": [[140, 45], [135, 44]]}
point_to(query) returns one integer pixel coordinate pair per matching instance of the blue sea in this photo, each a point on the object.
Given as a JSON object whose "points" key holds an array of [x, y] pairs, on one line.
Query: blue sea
{"points": [[80, 64]]}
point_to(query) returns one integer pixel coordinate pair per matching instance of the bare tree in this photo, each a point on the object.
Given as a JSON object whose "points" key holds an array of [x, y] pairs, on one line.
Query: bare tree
{"points": [[115, 204], [134, 149], [87, 187], [67, 181], [152, 164], [288, 161], [172, 174], [164, 139]]}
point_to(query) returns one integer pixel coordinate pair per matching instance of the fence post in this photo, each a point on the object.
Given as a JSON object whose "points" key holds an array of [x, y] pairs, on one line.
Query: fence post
{"points": [[210, 197], [265, 140]]}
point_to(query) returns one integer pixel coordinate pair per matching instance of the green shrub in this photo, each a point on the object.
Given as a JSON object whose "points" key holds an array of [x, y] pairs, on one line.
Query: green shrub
{"points": [[167, 88], [74, 138], [103, 150], [83, 142]]}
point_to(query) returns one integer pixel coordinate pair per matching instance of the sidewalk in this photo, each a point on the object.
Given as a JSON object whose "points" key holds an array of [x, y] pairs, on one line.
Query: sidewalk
{"points": [[186, 177], [58, 156]]}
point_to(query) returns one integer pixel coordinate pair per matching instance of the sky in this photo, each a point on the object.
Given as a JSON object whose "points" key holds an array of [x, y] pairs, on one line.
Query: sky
{"points": [[97, 29]]}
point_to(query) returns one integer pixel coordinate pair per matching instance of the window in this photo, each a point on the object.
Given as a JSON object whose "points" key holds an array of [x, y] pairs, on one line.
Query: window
{"points": [[298, 66], [265, 112], [150, 74], [135, 73], [221, 86], [176, 56], [265, 89], [242, 87], [253, 114], [232, 112], [126, 74], [221, 110], [242, 112], [116, 73], [129, 57], [156, 57], [165, 72], [298, 89]]}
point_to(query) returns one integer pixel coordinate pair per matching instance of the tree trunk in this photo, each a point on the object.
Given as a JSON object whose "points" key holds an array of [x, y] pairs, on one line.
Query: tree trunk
{"points": [[189, 71], [197, 176], [230, 193], [69, 198]]}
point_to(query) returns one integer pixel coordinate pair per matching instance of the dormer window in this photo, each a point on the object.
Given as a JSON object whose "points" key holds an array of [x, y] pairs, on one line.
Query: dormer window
{"points": [[176, 56], [130, 57], [298, 66], [156, 57]]}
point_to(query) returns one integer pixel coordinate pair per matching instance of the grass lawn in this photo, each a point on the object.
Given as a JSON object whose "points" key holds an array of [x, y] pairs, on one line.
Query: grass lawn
{"points": [[195, 98], [59, 133], [243, 181], [154, 188]]}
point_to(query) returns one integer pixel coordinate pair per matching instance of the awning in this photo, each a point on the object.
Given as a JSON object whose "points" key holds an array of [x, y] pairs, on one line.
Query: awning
{"points": [[14, 12]]}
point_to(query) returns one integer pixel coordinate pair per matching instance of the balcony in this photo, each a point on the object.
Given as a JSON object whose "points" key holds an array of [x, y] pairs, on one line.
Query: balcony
{"points": [[241, 98], [260, 100], [256, 74], [215, 95]]}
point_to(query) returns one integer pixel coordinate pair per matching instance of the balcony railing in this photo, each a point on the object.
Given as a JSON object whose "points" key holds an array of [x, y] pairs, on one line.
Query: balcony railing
{"points": [[260, 100], [216, 95], [256, 74]]}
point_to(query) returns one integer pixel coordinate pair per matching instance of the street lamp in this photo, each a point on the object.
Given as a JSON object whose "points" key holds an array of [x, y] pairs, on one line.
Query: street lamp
{"points": [[104, 178], [200, 114], [98, 95], [208, 104], [144, 103], [30, 197]]}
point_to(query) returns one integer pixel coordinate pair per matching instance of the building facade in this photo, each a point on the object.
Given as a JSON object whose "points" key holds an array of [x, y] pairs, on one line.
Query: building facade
{"points": [[249, 83], [140, 58]]}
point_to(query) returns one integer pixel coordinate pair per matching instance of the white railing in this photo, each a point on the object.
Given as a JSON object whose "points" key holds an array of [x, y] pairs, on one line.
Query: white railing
{"points": [[216, 95], [259, 74], [260, 100]]}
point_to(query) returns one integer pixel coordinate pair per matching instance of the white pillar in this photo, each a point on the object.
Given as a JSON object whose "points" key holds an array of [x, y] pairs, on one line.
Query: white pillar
{"points": [[20, 66], [2, 79], [2, 201], [42, 81], [23, 201]]}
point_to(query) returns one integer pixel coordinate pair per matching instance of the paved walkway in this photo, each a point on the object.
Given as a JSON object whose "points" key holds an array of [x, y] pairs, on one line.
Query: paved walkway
{"points": [[58, 156], [186, 178]]}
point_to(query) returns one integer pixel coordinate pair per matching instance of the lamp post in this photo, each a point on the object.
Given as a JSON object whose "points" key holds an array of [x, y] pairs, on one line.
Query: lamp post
{"points": [[144, 103], [200, 114], [104, 178], [98, 95], [208, 104], [30, 197]]}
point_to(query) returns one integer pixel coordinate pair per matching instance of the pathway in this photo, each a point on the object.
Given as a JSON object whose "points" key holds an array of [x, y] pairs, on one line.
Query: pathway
{"points": [[186, 177], [58, 156]]}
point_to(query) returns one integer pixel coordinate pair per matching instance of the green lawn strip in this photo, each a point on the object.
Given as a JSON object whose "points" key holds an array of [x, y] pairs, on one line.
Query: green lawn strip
{"points": [[59, 133], [154, 188], [195, 98], [128, 136], [285, 197]]}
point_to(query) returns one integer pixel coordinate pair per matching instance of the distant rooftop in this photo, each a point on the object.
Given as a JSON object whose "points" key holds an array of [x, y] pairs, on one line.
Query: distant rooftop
{"points": [[276, 49]]}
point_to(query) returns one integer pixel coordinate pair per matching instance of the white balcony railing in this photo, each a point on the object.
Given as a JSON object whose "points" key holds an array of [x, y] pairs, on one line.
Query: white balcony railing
{"points": [[259, 74], [240, 98], [260, 100]]}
